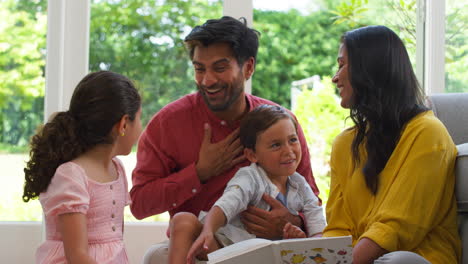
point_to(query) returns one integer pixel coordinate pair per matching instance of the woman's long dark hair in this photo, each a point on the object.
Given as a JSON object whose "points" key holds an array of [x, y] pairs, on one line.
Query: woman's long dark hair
{"points": [[99, 101], [386, 95]]}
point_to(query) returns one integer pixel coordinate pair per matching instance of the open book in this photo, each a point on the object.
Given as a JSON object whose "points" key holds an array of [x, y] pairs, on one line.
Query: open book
{"points": [[327, 250]]}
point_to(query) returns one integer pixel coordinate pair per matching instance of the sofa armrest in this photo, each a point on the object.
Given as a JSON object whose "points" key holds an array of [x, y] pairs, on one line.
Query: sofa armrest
{"points": [[461, 174]]}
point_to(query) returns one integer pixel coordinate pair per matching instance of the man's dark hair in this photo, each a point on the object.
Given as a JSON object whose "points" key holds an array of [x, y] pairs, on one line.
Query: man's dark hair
{"points": [[242, 39]]}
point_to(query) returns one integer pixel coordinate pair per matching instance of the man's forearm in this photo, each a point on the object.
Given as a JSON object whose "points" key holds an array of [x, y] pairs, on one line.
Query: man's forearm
{"points": [[162, 194]]}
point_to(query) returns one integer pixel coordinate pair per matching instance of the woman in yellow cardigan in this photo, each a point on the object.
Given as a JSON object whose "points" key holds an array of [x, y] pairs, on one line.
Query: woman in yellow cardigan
{"points": [[392, 173]]}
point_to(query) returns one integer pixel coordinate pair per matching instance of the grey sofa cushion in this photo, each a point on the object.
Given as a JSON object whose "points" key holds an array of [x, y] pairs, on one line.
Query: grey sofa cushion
{"points": [[452, 109], [461, 174]]}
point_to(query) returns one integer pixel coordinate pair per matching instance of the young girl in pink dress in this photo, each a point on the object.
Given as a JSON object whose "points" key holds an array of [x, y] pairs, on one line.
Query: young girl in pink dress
{"points": [[74, 171]]}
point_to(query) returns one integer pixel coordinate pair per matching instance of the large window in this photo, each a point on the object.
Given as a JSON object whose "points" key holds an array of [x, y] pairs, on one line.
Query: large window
{"points": [[22, 83], [456, 46], [143, 39], [297, 59]]}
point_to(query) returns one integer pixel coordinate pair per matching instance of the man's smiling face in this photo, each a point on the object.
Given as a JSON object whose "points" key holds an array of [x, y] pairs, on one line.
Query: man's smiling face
{"points": [[219, 78]]}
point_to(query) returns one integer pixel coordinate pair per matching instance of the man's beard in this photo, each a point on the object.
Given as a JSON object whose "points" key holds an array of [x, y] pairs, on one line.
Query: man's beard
{"points": [[237, 87]]}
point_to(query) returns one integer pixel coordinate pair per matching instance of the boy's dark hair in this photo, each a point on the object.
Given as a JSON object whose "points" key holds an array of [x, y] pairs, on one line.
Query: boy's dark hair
{"points": [[242, 39], [259, 120], [99, 101]]}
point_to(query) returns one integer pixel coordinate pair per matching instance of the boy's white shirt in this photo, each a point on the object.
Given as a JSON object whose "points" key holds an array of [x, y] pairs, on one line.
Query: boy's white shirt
{"points": [[247, 187]]}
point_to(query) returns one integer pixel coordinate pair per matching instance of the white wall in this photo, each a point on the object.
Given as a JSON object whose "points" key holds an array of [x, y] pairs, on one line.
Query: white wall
{"points": [[138, 237], [19, 240]]}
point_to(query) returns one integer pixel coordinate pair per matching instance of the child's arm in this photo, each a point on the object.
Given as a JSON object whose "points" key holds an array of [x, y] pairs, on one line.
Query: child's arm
{"points": [[292, 231], [72, 227], [206, 243]]}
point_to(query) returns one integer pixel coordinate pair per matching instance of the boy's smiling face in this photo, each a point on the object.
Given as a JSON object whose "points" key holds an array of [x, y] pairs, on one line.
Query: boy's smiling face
{"points": [[278, 150]]}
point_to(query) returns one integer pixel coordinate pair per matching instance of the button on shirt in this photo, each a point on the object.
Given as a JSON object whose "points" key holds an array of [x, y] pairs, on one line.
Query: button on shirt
{"points": [[72, 191]]}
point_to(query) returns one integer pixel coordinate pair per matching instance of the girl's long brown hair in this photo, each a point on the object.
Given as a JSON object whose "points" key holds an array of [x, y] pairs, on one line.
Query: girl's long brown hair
{"points": [[99, 101]]}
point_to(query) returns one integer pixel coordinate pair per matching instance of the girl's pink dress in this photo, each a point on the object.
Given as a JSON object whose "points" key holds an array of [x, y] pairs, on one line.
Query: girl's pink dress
{"points": [[72, 191]]}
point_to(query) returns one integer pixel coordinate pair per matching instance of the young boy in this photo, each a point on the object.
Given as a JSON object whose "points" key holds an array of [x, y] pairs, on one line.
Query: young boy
{"points": [[269, 136]]}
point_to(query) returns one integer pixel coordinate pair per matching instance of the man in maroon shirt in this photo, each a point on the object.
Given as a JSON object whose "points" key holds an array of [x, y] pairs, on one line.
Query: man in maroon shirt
{"points": [[190, 148]]}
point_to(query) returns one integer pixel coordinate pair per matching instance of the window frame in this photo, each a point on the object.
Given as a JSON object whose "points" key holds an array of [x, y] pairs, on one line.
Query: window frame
{"points": [[430, 45], [68, 36]]}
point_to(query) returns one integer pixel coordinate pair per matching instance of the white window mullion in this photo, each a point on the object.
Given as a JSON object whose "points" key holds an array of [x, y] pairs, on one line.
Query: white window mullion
{"points": [[67, 53], [420, 41], [432, 46]]}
